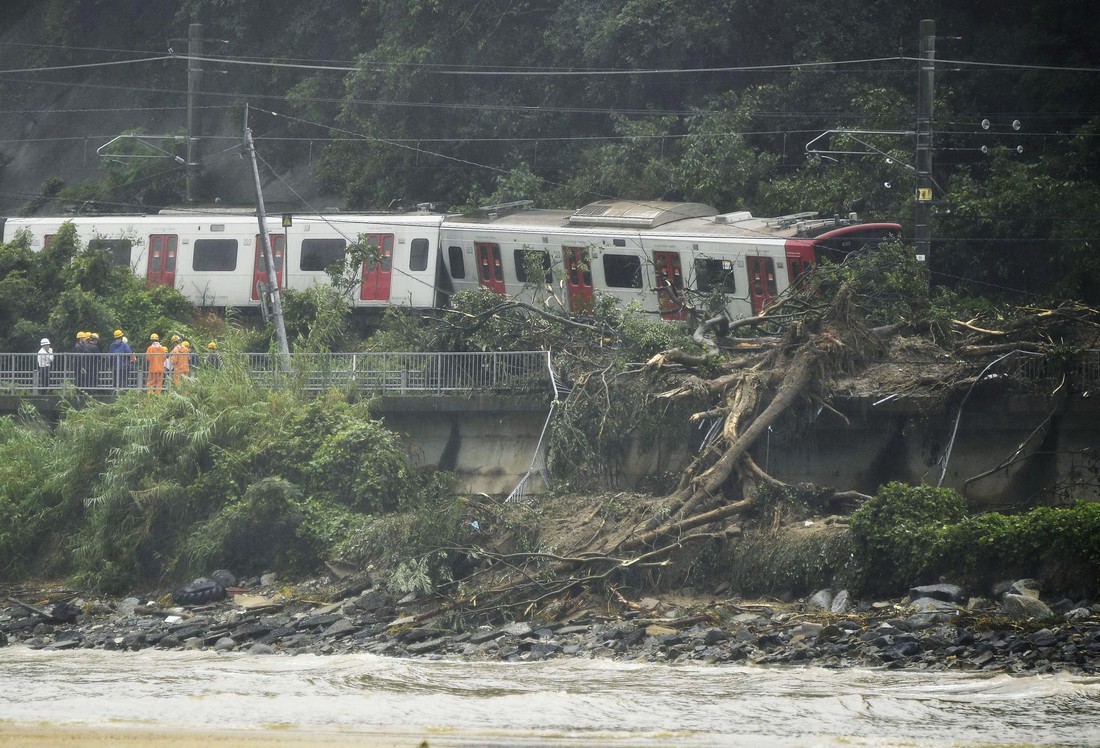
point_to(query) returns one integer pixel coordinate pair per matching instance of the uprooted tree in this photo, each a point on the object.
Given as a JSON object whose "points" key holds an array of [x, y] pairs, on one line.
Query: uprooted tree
{"points": [[839, 329]]}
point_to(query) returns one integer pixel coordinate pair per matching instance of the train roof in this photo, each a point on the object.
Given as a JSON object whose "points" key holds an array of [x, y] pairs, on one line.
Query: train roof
{"points": [[629, 217], [647, 216]]}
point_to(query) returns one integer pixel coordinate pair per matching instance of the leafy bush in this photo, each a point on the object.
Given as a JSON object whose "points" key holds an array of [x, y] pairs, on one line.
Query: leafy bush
{"points": [[890, 285], [266, 528], [1060, 546], [221, 474], [895, 532], [908, 535]]}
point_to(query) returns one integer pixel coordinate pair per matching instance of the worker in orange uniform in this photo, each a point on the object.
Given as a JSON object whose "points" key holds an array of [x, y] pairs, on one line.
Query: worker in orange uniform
{"points": [[156, 355], [181, 361]]}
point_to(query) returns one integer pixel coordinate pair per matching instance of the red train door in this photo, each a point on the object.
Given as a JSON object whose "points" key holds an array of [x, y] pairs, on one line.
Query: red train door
{"points": [[259, 270], [670, 285], [378, 271], [162, 259], [762, 286], [800, 258], [490, 269], [578, 278]]}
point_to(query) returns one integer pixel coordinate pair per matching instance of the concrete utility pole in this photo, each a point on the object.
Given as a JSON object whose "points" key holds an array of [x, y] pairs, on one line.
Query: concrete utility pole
{"points": [[922, 209], [194, 114], [265, 239]]}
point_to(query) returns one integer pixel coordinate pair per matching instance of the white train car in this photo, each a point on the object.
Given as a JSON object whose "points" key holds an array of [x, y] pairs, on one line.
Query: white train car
{"points": [[216, 259], [649, 254]]}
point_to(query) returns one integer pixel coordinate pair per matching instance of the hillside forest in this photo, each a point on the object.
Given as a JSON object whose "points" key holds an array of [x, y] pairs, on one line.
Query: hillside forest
{"points": [[375, 104]]}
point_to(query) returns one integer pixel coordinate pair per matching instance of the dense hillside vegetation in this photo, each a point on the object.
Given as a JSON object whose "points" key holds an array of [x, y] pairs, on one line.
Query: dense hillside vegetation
{"points": [[380, 102]]}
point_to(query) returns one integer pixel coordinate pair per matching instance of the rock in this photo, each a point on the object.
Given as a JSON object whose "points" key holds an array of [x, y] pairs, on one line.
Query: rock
{"points": [[656, 630], [224, 577], [842, 603], [517, 628], [1029, 587], [951, 593], [420, 634], [932, 605], [340, 627], [427, 645], [1077, 614], [1043, 638], [482, 636], [126, 607], [261, 649], [820, 600], [224, 644], [1024, 607], [266, 580]]}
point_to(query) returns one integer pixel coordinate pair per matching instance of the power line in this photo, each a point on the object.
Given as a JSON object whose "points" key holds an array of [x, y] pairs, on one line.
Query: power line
{"points": [[85, 66], [470, 70]]}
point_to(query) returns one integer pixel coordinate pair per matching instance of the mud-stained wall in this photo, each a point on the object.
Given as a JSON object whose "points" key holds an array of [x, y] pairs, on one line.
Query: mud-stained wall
{"points": [[489, 444], [1003, 451]]}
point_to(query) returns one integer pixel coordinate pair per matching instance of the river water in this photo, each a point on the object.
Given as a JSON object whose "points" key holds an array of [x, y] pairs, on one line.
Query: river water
{"points": [[557, 703]]}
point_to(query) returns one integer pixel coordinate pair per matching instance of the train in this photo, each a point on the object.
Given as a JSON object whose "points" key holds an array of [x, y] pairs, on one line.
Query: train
{"points": [[654, 257]]}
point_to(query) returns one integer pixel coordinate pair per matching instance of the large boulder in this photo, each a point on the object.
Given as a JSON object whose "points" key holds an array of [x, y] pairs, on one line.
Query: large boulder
{"points": [[1024, 607]]}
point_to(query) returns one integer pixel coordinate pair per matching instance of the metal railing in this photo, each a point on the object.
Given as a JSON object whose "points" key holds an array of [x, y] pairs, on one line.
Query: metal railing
{"points": [[425, 374]]}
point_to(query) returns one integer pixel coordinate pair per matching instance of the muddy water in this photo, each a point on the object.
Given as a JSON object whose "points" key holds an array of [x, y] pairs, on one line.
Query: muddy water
{"points": [[557, 703]]}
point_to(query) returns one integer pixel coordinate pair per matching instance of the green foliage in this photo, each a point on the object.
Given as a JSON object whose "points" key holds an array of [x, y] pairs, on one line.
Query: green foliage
{"points": [[28, 461], [222, 475], [1061, 546], [139, 172], [266, 528], [894, 532], [317, 320], [908, 535], [339, 472], [890, 285], [643, 338], [66, 288]]}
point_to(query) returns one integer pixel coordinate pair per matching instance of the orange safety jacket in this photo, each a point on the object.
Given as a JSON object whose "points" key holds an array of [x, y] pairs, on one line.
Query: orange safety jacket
{"points": [[181, 361], [156, 356]]}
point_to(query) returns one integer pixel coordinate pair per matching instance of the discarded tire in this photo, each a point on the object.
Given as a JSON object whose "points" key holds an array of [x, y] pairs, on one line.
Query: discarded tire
{"points": [[202, 590]]}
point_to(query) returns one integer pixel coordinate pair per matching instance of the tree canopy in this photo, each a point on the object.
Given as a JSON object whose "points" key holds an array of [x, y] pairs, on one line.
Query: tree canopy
{"points": [[564, 102]]}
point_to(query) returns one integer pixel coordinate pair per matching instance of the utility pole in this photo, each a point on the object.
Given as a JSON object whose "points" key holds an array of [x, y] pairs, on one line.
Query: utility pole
{"points": [[922, 209], [265, 239], [194, 114]]}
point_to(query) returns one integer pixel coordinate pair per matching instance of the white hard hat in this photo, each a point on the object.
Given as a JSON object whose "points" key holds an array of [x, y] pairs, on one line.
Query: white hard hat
{"points": [[45, 341]]}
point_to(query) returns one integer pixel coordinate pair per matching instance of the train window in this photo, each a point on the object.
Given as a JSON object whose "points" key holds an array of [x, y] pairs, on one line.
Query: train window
{"points": [[418, 255], [321, 254], [622, 271], [458, 265], [715, 275], [118, 249], [214, 255], [537, 258]]}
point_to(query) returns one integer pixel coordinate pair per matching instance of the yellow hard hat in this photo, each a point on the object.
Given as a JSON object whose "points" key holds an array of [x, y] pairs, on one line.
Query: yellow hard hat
{"points": [[94, 335], [175, 338], [154, 336], [185, 344], [211, 345], [81, 335], [118, 333]]}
